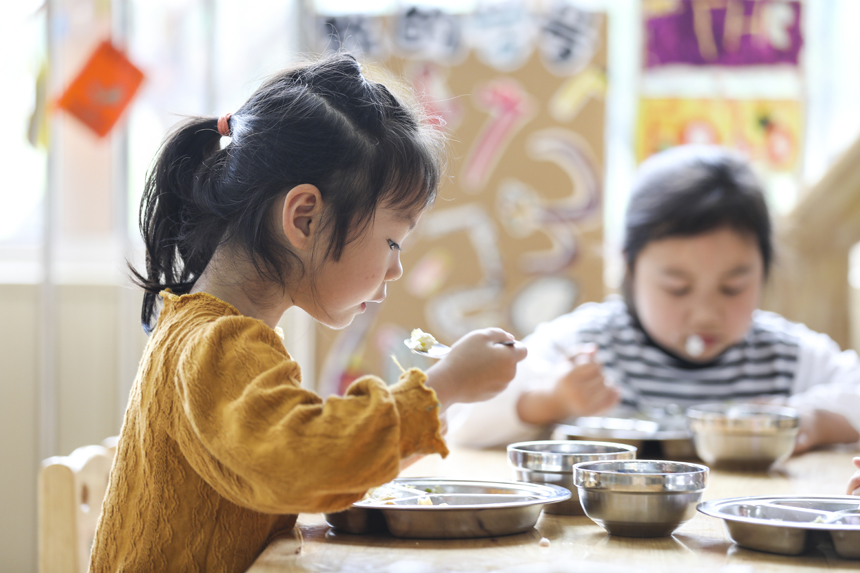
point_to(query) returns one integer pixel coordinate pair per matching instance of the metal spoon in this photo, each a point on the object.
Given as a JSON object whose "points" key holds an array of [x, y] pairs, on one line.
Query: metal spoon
{"points": [[439, 350]]}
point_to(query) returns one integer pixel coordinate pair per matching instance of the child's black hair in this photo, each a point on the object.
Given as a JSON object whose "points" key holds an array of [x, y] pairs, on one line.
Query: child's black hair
{"points": [[323, 124], [694, 189]]}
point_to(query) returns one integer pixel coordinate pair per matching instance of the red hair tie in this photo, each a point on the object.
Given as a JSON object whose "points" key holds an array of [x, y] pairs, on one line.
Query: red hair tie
{"points": [[224, 124]]}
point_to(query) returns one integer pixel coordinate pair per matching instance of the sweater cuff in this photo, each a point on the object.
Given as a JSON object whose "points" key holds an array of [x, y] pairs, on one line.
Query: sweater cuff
{"points": [[418, 409]]}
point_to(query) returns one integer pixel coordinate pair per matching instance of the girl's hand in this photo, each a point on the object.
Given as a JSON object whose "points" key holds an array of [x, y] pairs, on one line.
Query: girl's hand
{"points": [[822, 428], [580, 390], [854, 483], [477, 368]]}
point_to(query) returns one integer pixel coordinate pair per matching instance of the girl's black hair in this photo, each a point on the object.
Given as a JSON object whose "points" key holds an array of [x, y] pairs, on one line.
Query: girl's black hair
{"points": [[322, 123], [691, 190]]}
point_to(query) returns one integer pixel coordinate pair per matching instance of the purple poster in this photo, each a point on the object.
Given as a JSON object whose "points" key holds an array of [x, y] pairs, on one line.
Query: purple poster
{"points": [[722, 32]]}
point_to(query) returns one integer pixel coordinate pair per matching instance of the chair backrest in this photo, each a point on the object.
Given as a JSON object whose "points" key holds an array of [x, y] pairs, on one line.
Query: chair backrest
{"points": [[71, 491]]}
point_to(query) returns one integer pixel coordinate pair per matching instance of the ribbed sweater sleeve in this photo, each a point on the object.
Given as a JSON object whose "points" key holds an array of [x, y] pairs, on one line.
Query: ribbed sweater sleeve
{"points": [[262, 441]]}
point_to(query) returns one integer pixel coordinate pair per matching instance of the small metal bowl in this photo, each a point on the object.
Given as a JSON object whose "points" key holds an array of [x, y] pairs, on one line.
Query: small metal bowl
{"points": [[640, 498], [552, 461], [743, 436]]}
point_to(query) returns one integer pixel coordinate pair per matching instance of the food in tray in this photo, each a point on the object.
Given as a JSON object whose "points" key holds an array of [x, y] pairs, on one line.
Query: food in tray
{"points": [[421, 341], [393, 491]]}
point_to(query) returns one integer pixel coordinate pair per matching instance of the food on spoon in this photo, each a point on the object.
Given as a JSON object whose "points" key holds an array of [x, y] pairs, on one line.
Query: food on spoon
{"points": [[421, 341]]}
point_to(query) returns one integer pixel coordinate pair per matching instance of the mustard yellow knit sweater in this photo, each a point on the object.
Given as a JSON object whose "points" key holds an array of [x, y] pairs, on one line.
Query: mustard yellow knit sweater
{"points": [[221, 447]]}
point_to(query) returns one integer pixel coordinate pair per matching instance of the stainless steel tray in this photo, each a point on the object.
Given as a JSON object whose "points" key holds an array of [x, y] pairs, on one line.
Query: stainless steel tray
{"points": [[473, 509], [671, 433], [785, 524]]}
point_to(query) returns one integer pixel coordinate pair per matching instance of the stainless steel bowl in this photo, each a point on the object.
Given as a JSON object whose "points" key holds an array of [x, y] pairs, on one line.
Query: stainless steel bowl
{"points": [[640, 498], [552, 461], [743, 436]]}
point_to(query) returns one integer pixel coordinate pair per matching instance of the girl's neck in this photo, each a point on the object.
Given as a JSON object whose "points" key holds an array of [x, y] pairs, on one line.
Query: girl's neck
{"points": [[225, 278]]}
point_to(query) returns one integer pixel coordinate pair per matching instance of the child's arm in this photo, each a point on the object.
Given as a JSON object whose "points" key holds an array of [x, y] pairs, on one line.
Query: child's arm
{"points": [[821, 428], [826, 390], [580, 389], [246, 426], [854, 483]]}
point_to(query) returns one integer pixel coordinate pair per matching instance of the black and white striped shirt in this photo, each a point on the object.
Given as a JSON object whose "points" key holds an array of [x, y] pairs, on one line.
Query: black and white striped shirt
{"points": [[776, 358], [763, 363]]}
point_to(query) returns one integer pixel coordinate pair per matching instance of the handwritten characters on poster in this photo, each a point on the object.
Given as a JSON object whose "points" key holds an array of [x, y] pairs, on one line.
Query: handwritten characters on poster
{"points": [[508, 108], [358, 34], [429, 33], [502, 34], [569, 37], [722, 32], [524, 211]]}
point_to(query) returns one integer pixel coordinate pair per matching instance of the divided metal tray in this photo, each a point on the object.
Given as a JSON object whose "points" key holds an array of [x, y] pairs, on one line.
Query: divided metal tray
{"points": [[785, 524], [460, 509]]}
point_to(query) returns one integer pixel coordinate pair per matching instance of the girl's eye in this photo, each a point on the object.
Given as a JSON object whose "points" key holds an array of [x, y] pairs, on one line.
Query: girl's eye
{"points": [[731, 291], [393, 245], [678, 291]]}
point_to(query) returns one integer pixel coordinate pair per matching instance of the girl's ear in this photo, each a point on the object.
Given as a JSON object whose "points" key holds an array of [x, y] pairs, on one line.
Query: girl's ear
{"points": [[301, 215]]}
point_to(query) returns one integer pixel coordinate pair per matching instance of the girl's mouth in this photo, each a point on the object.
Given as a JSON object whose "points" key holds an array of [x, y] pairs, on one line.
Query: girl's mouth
{"points": [[696, 344]]}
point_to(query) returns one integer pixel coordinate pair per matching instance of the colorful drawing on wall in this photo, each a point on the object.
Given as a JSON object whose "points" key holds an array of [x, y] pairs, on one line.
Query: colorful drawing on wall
{"points": [[524, 211], [573, 94], [430, 272], [509, 107], [569, 37], [502, 34], [769, 132], [454, 311], [722, 32], [429, 33], [357, 34], [102, 90], [430, 82]]}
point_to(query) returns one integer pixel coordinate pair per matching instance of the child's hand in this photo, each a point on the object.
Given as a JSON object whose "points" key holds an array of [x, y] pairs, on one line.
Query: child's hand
{"points": [[854, 483], [822, 428], [580, 390], [477, 368]]}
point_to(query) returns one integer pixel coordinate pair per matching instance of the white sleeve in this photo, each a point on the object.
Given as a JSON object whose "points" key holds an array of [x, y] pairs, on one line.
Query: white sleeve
{"points": [[491, 423], [826, 378], [495, 422]]}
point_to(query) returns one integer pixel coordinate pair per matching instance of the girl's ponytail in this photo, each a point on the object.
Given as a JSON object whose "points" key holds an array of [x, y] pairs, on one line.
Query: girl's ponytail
{"points": [[172, 213], [322, 124]]}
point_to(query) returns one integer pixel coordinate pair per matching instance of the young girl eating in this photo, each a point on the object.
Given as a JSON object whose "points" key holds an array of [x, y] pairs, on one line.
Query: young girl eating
{"points": [[687, 331], [325, 174]]}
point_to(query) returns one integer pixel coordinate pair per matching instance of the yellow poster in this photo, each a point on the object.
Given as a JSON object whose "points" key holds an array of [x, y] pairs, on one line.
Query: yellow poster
{"points": [[768, 132]]}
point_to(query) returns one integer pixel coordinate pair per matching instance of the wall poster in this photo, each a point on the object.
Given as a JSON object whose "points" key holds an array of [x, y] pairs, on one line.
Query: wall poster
{"points": [[515, 237]]}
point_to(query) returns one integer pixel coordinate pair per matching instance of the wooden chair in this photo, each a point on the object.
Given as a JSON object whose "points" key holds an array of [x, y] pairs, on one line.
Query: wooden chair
{"points": [[71, 491]]}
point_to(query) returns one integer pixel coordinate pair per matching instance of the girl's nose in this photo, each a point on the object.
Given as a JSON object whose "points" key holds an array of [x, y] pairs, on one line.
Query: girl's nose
{"points": [[395, 269], [706, 311]]}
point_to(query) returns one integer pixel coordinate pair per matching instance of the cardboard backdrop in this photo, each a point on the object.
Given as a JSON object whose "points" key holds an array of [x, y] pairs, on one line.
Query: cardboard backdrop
{"points": [[515, 237]]}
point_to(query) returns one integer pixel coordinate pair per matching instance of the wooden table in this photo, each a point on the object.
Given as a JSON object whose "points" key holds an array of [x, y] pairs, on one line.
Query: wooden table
{"points": [[576, 543]]}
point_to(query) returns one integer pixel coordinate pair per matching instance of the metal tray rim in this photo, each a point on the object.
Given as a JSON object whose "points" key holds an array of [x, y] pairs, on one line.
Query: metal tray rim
{"points": [[609, 434], [711, 508], [549, 494]]}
